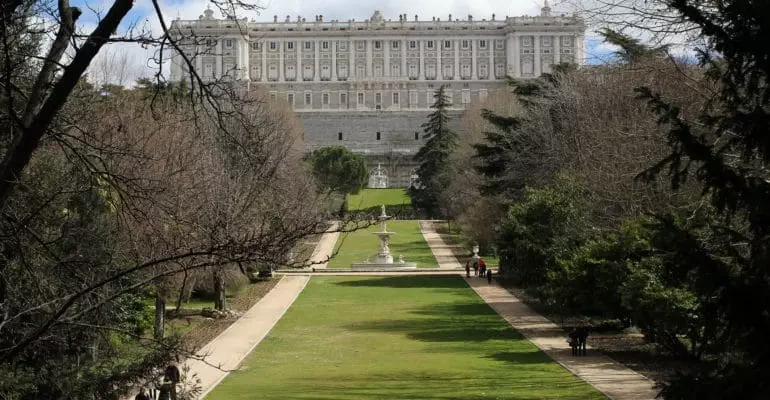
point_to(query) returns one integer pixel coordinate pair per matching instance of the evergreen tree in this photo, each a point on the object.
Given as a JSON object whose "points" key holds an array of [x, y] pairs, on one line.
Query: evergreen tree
{"points": [[728, 149], [433, 157], [631, 50]]}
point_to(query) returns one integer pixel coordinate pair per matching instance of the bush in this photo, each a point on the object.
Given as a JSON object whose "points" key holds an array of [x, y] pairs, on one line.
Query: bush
{"points": [[547, 226]]}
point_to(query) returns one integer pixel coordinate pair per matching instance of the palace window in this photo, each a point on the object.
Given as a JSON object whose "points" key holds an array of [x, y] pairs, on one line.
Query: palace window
{"points": [[417, 136], [413, 98], [343, 100], [228, 43], [308, 45], [430, 44], [378, 98], [290, 98], [465, 44], [339, 135], [378, 135], [273, 45], [360, 98], [377, 44], [325, 99], [360, 45], [447, 44], [395, 99], [499, 44], [412, 44], [394, 44], [325, 45], [466, 96], [308, 98], [255, 46], [482, 44]]}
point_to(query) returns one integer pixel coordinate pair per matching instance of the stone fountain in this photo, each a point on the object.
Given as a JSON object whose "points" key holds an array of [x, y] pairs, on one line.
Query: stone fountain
{"points": [[384, 260]]}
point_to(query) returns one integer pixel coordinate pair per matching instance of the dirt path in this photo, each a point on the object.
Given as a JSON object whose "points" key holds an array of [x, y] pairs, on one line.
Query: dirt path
{"points": [[227, 351], [324, 248], [611, 378], [441, 250]]}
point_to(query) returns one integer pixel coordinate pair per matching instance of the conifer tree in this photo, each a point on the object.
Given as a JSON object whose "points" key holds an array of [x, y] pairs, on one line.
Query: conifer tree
{"points": [[433, 157], [727, 149]]}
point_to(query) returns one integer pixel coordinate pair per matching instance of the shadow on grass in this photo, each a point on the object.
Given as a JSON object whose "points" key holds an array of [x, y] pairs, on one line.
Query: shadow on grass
{"points": [[408, 282]]}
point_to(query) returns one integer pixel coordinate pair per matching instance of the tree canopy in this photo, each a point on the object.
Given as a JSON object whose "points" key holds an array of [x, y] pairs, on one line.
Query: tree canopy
{"points": [[337, 169]]}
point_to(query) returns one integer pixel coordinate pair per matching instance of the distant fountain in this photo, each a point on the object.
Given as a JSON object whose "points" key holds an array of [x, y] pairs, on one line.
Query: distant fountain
{"points": [[383, 259]]}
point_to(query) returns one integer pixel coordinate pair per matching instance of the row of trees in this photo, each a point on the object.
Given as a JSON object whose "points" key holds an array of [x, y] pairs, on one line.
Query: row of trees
{"points": [[110, 194], [571, 174]]}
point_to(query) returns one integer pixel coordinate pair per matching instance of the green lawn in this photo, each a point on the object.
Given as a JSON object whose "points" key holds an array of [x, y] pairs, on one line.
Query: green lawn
{"points": [[369, 198], [396, 338], [355, 247]]}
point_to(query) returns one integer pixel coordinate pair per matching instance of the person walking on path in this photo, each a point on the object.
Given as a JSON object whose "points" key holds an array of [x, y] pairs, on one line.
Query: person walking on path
{"points": [[482, 267], [489, 277], [172, 375], [468, 269], [475, 268], [142, 395]]}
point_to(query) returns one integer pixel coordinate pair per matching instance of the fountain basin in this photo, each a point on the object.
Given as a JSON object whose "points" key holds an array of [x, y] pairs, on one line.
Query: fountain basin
{"points": [[373, 266]]}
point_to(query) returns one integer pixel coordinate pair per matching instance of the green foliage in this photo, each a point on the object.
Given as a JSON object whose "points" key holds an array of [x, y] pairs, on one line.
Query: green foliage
{"points": [[631, 50], [591, 280], [433, 157], [727, 149], [339, 170], [546, 227]]}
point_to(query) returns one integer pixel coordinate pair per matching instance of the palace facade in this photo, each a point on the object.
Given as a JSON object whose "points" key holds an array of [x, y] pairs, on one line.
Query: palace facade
{"points": [[368, 84]]}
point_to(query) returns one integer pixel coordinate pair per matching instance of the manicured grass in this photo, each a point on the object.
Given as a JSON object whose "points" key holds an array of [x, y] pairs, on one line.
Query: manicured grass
{"points": [[408, 337], [355, 247], [369, 198]]}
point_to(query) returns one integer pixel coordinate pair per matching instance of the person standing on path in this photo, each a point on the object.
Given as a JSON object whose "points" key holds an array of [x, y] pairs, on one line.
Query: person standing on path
{"points": [[489, 277], [468, 269], [482, 267], [476, 268]]}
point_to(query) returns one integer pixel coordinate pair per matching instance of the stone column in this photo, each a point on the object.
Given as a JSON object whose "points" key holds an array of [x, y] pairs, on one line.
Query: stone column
{"points": [[300, 73], [351, 60], [403, 57], [333, 76], [281, 67], [556, 49], [421, 49], [456, 45], [386, 57], [317, 55], [474, 64], [439, 72], [263, 73], [491, 67], [198, 61], [516, 56], [538, 62], [218, 52], [369, 69], [245, 59], [578, 46]]}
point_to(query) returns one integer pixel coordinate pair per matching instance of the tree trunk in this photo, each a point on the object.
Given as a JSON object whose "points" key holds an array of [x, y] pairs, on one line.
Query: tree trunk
{"points": [[220, 301], [160, 313]]}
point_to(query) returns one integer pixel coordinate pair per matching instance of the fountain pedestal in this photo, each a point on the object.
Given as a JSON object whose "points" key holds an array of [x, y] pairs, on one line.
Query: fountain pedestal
{"points": [[384, 260]]}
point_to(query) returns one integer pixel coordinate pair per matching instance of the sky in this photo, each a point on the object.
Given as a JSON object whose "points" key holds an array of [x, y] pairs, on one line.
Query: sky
{"points": [[134, 58]]}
